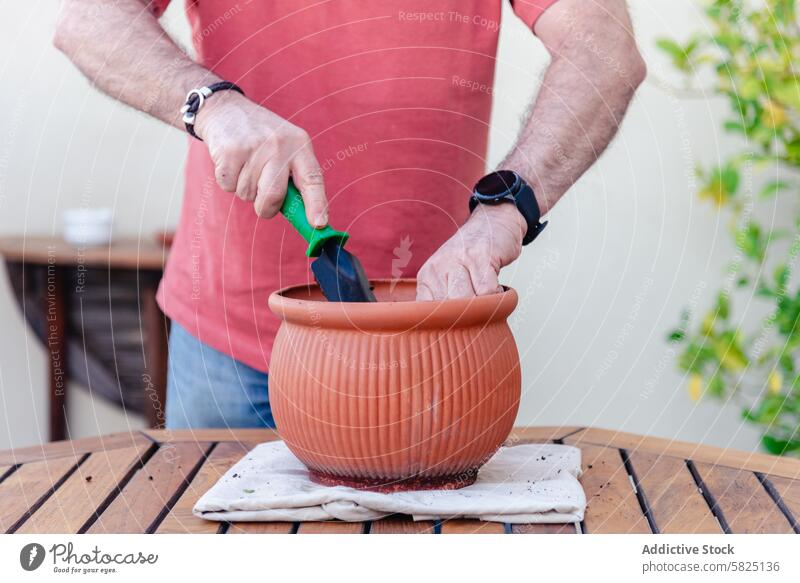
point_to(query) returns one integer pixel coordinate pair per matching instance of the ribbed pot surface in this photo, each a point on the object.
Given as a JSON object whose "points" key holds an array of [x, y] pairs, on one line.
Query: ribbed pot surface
{"points": [[394, 390]]}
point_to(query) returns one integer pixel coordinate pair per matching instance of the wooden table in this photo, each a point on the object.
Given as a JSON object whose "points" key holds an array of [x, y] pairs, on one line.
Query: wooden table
{"points": [[55, 260], [148, 481]]}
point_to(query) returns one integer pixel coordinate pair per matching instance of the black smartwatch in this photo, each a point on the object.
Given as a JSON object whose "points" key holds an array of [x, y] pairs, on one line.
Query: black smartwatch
{"points": [[508, 186]]}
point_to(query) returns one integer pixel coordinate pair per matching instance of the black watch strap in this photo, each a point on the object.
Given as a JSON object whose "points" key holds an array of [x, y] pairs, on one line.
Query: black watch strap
{"points": [[514, 190], [529, 208], [197, 97]]}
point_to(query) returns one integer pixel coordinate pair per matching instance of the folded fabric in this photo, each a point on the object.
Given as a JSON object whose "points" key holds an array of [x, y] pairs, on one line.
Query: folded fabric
{"points": [[535, 483]]}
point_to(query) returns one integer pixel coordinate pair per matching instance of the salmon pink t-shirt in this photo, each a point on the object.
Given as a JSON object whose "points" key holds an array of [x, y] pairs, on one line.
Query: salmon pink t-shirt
{"points": [[396, 96]]}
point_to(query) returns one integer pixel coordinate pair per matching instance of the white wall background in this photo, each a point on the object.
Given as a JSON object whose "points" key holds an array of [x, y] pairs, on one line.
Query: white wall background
{"points": [[626, 248]]}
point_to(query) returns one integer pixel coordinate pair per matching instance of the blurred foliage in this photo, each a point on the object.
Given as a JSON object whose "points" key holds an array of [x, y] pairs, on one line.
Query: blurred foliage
{"points": [[751, 52]]}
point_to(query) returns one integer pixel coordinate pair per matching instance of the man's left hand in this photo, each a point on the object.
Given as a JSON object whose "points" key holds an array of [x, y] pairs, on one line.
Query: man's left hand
{"points": [[468, 264]]}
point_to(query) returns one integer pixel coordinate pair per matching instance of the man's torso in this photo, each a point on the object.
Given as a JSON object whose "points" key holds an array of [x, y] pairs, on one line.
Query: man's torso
{"points": [[396, 97]]}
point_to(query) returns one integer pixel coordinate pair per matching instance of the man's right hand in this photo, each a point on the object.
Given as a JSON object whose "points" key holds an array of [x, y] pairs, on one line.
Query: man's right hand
{"points": [[255, 152]]}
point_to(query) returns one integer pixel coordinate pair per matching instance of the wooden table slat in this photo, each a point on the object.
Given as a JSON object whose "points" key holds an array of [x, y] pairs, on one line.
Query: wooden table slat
{"points": [[5, 470], [180, 519], [81, 495], [24, 488], [757, 462], [540, 434], [612, 506], [260, 528], [402, 525], [789, 491], [675, 501], [143, 499], [71, 448], [333, 527], [745, 504], [461, 526], [566, 528], [252, 436]]}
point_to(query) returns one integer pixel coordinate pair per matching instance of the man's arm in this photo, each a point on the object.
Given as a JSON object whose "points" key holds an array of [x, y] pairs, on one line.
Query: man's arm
{"points": [[594, 72], [124, 51], [595, 69]]}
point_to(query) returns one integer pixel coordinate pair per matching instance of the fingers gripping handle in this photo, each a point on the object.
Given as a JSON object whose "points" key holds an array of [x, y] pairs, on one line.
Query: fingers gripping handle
{"points": [[295, 212]]}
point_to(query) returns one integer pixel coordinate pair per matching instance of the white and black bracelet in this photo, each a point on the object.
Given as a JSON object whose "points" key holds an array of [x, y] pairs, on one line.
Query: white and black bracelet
{"points": [[197, 97]]}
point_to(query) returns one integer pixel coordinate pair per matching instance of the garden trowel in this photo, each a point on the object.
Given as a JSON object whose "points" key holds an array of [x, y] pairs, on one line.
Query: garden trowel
{"points": [[338, 272]]}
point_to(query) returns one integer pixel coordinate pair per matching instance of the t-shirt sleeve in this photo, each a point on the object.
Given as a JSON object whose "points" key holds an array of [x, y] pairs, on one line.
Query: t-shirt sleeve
{"points": [[157, 7], [530, 10]]}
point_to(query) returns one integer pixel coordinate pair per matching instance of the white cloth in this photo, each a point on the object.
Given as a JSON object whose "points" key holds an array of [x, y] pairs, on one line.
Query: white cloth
{"points": [[535, 483]]}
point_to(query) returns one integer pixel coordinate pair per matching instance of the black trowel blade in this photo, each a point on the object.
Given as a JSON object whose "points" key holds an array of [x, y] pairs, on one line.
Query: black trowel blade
{"points": [[341, 276]]}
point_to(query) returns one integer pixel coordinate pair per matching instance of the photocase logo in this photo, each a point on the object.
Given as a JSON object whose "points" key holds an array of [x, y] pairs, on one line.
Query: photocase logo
{"points": [[402, 255], [31, 556]]}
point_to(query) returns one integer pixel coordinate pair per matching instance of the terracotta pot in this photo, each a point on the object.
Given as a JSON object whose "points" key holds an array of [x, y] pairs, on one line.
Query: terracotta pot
{"points": [[397, 394]]}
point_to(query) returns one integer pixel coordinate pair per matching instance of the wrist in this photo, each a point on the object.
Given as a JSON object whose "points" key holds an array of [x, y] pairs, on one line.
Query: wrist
{"points": [[504, 214], [216, 107], [528, 173]]}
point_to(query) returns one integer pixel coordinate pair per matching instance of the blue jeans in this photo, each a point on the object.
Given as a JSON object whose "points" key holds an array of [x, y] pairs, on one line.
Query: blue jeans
{"points": [[207, 388]]}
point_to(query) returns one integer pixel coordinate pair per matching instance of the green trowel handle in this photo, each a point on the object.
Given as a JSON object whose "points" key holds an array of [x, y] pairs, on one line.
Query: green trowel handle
{"points": [[295, 212]]}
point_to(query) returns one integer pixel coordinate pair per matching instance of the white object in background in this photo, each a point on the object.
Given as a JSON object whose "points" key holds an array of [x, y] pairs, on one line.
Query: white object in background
{"points": [[87, 227]]}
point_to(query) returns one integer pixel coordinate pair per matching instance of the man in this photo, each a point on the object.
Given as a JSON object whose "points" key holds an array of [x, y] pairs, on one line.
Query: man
{"points": [[379, 113]]}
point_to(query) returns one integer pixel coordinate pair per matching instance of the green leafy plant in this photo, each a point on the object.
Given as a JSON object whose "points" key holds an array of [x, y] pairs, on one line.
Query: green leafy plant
{"points": [[750, 54]]}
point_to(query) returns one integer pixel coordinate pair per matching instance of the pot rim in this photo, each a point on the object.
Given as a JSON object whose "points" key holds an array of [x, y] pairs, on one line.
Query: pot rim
{"points": [[395, 315]]}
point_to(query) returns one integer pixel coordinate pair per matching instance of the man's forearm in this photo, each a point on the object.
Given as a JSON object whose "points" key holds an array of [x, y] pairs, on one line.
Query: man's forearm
{"points": [[124, 51], [586, 90]]}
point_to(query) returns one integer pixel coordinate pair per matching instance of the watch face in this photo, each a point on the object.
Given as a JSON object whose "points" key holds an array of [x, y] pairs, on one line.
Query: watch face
{"points": [[497, 184]]}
